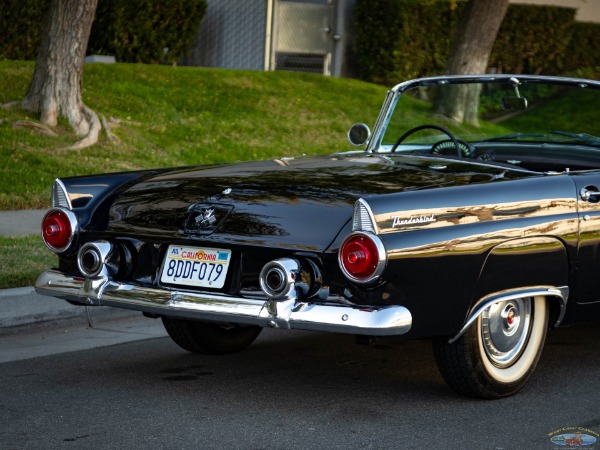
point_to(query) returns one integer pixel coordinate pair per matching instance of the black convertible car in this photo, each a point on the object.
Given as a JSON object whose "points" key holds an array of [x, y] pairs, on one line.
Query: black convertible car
{"points": [[472, 218]]}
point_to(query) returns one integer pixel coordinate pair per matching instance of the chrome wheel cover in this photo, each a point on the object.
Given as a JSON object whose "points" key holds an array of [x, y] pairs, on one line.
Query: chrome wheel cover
{"points": [[505, 328]]}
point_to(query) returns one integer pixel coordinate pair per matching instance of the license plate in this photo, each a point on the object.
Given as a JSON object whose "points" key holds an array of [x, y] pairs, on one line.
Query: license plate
{"points": [[196, 267]]}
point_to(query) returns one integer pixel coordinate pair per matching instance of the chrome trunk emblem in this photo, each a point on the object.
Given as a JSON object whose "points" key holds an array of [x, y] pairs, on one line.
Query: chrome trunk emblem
{"points": [[205, 218]]}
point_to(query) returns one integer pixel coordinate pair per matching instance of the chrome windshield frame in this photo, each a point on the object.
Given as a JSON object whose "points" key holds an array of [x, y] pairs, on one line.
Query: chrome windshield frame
{"points": [[393, 95]]}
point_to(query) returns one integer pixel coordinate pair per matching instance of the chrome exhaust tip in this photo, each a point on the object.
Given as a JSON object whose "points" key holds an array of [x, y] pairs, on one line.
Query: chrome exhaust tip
{"points": [[278, 278], [93, 259], [290, 279]]}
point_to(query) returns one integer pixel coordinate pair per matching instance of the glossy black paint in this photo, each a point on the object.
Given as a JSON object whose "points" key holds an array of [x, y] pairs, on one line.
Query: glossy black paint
{"points": [[91, 195], [490, 231], [272, 205]]}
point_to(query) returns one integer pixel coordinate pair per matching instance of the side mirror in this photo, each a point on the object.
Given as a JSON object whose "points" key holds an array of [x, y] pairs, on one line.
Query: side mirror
{"points": [[514, 103], [359, 134]]}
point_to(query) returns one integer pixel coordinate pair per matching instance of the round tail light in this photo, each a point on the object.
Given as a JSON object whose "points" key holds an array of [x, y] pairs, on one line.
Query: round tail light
{"points": [[59, 228], [362, 257]]}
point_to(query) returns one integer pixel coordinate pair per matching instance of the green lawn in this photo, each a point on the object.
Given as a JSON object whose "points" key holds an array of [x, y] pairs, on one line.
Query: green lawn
{"points": [[22, 259], [171, 116], [168, 116]]}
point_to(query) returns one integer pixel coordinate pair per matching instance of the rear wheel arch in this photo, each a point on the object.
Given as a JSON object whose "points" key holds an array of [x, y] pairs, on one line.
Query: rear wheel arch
{"points": [[522, 282], [524, 263]]}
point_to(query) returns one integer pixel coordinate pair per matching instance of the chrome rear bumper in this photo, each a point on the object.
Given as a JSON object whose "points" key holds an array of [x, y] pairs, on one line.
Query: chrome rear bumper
{"points": [[292, 314]]}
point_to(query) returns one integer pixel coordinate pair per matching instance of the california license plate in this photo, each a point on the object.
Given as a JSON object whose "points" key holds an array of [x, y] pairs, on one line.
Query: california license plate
{"points": [[196, 266]]}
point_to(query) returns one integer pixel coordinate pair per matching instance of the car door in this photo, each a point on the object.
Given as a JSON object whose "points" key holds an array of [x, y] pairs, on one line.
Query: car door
{"points": [[587, 268]]}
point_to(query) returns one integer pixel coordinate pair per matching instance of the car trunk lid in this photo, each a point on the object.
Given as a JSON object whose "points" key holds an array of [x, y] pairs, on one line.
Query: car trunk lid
{"points": [[301, 203]]}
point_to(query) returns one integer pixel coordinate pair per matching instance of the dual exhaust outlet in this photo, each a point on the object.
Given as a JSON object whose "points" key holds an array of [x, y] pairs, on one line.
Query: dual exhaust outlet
{"points": [[292, 279], [280, 279], [93, 259]]}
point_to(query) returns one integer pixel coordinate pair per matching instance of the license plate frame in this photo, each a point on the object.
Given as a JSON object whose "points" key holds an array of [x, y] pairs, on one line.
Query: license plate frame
{"points": [[195, 267]]}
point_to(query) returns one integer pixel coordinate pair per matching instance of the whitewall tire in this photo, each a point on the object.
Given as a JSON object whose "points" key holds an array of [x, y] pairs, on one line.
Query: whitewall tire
{"points": [[499, 352]]}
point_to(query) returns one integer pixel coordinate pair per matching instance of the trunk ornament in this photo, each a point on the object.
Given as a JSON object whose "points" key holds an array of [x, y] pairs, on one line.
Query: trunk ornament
{"points": [[205, 218]]}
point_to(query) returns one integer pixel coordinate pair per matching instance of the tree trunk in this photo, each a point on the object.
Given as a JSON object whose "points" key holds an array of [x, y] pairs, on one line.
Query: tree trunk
{"points": [[55, 89], [470, 53]]}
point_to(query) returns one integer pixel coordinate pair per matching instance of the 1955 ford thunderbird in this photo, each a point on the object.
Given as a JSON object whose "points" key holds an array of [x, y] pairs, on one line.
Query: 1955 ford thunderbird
{"points": [[471, 218]]}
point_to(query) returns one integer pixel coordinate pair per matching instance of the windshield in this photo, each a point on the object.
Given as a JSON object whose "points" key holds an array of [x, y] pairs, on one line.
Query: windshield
{"points": [[512, 122]]}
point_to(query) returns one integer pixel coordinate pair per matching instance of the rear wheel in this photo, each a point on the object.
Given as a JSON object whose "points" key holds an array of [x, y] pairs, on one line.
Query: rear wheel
{"points": [[210, 338], [498, 353]]}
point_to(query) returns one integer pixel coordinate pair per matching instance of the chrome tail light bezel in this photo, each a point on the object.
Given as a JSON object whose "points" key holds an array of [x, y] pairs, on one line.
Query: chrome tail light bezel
{"points": [[73, 224], [378, 265]]}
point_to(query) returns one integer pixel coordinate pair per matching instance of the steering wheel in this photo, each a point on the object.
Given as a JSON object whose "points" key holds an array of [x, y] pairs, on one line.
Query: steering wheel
{"points": [[429, 126]]}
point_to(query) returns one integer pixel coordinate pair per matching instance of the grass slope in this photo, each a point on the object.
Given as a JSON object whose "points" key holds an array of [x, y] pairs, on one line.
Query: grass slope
{"points": [[168, 116], [22, 259], [171, 116]]}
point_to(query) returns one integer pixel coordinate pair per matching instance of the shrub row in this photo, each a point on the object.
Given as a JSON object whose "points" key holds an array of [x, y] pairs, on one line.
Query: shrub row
{"points": [[22, 23], [149, 31], [402, 39]]}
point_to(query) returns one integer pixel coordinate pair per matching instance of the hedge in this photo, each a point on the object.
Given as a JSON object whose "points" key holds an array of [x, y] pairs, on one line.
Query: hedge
{"points": [[402, 39], [145, 31], [533, 39], [583, 47], [22, 24], [148, 31]]}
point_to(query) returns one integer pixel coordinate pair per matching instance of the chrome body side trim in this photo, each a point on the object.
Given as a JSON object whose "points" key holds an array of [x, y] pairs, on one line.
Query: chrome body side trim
{"points": [[560, 293], [363, 218], [289, 314]]}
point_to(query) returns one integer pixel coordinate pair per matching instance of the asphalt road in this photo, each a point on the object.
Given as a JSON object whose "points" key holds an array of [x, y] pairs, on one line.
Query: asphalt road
{"points": [[289, 390]]}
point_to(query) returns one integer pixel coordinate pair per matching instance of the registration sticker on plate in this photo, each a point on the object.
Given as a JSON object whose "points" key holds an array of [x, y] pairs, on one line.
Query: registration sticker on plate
{"points": [[195, 266]]}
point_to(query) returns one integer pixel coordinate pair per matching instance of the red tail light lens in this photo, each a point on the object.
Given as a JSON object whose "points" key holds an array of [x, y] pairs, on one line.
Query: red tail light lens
{"points": [[362, 257], [58, 229]]}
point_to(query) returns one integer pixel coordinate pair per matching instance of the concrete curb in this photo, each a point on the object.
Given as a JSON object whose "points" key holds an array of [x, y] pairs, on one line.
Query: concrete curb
{"points": [[22, 309]]}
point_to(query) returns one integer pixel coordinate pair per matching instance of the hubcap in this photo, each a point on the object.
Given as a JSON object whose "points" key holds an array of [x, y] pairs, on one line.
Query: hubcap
{"points": [[505, 329]]}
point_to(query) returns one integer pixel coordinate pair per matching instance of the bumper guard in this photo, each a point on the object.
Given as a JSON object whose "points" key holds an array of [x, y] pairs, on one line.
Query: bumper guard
{"points": [[290, 314]]}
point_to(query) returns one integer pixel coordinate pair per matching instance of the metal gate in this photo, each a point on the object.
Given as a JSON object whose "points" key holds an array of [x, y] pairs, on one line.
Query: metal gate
{"points": [[302, 36]]}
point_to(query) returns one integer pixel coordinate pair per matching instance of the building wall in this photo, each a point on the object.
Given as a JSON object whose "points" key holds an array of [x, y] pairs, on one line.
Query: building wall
{"points": [[587, 10], [232, 35]]}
